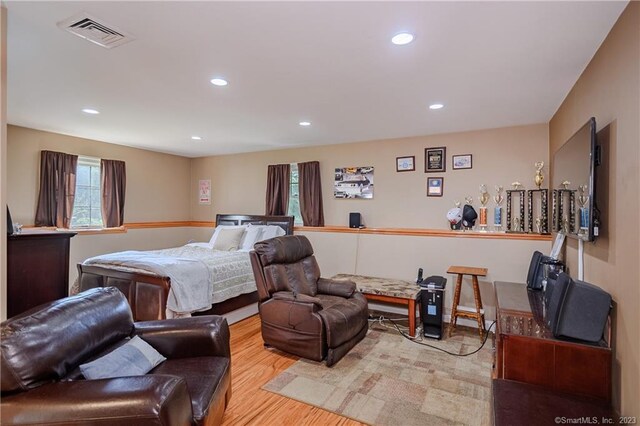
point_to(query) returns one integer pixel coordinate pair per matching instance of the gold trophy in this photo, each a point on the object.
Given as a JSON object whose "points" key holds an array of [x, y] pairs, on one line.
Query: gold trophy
{"points": [[497, 212], [539, 178], [484, 199]]}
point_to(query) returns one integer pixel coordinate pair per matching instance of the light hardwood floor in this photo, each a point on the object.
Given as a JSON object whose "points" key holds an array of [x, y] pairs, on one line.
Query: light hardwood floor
{"points": [[251, 367]]}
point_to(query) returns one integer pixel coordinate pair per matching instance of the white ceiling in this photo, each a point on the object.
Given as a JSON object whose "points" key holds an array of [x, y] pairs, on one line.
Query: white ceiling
{"points": [[492, 64]]}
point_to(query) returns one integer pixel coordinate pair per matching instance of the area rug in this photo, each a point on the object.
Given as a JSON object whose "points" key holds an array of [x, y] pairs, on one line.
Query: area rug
{"points": [[388, 380]]}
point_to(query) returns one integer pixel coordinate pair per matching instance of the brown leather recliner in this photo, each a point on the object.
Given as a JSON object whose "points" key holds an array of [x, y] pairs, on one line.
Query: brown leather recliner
{"points": [[42, 349], [301, 313]]}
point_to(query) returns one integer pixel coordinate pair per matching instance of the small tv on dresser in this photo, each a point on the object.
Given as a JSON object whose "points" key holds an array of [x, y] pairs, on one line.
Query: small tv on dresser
{"points": [[9, 223], [577, 310]]}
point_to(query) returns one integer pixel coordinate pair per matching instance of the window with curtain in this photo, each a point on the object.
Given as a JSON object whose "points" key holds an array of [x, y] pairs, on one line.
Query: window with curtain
{"points": [[87, 209], [294, 195], [310, 190]]}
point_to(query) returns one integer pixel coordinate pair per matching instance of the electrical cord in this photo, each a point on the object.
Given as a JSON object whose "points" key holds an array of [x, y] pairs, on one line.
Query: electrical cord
{"points": [[415, 340]]}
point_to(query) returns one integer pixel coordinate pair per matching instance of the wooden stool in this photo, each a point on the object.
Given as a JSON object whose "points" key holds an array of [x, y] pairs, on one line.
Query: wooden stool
{"points": [[455, 313]]}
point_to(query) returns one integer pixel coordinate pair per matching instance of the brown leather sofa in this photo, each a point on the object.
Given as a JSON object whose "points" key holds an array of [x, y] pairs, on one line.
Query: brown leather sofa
{"points": [[301, 313], [42, 349]]}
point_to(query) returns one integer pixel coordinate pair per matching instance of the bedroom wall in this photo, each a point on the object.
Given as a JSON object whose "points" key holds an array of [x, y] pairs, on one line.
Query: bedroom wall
{"points": [[500, 156], [3, 158], [157, 191], [609, 90]]}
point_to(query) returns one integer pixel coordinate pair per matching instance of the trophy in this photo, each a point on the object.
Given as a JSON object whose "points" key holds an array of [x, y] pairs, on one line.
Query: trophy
{"points": [[484, 199], [539, 178], [515, 224], [583, 199], [538, 216], [497, 212]]}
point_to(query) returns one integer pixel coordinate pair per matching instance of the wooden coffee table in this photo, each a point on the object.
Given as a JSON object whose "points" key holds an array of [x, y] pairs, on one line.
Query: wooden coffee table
{"points": [[388, 290]]}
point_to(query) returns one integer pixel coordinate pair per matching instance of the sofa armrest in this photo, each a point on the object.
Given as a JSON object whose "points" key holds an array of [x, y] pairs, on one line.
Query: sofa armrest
{"points": [[336, 287], [297, 298], [139, 400], [206, 335]]}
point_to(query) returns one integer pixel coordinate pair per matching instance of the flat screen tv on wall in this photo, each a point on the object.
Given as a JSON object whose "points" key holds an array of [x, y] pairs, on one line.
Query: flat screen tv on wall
{"points": [[574, 185]]}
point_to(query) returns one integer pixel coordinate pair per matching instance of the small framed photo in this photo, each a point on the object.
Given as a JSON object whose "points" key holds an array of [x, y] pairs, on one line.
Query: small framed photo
{"points": [[405, 164], [435, 186], [461, 161], [435, 159]]}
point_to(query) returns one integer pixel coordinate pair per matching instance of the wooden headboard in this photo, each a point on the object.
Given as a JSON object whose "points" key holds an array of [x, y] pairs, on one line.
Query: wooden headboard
{"points": [[284, 222]]}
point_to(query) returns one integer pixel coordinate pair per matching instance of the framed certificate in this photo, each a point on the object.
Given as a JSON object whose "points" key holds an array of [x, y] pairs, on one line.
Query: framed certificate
{"points": [[435, 160]]}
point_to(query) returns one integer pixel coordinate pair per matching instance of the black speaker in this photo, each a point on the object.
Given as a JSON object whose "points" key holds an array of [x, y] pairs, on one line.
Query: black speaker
{"points": [[354, 220]]}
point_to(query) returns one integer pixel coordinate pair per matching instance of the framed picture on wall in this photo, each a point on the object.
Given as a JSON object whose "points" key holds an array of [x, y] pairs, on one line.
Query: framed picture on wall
{"points": [[405, 164], [461, 161], [435, 186], [435, 159]]}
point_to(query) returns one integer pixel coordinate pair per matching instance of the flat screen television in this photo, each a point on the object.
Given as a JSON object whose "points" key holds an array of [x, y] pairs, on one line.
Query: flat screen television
{"points": [[574, 186]]}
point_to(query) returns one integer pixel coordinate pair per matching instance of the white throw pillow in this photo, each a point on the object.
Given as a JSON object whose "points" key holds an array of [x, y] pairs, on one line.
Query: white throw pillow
{"points": [[228, 239], [212, 241], [251, 236], [271, 231]]}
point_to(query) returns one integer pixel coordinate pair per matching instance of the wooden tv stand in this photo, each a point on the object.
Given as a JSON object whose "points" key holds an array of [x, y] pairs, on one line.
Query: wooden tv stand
{"points": [[527, 352]]}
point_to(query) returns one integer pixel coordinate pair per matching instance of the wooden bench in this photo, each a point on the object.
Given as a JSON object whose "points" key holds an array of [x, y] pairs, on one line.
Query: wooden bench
{"points": [[389, 291]]}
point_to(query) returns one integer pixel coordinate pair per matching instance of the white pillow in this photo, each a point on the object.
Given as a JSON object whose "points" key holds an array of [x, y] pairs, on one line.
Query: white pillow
{"points": [[271, 231], [251, 236], [228, 239], [212, 241], [135, 358]]}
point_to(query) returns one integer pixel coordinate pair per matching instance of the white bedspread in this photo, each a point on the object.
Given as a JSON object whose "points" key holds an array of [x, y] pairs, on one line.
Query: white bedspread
{"points": [[199, 275]]}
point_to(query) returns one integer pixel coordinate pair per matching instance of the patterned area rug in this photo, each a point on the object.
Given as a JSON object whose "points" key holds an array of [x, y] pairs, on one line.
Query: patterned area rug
{"points": [[388, 380]]}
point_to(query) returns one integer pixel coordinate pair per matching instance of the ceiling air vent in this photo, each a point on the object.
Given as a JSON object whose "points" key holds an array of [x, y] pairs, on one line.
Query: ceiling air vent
{"points": [[89, 28]]}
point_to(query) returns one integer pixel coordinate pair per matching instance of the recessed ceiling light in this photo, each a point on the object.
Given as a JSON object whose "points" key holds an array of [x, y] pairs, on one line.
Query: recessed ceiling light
{"points": [[402, 38], [219, 82], [196, 138], [90, 111], [305, 123], [436, 106]]}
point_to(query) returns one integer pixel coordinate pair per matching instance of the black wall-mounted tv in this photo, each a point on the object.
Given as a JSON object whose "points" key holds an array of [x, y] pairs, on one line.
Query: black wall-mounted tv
{"points": [[574, 185]]}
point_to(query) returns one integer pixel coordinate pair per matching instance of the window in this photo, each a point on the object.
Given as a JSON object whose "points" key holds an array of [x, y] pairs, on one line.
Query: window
{"points": [[87, 212], [294, 195]]}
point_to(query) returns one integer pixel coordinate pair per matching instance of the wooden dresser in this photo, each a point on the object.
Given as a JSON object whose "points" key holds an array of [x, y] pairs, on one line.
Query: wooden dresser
{"points": [[527, 352], [37, 268]]}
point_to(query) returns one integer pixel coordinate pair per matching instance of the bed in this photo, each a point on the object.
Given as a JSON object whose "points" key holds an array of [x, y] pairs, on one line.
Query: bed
{"points": [[148, 293]]}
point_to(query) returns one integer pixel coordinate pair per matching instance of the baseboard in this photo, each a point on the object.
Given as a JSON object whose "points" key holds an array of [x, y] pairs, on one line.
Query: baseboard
{"points": [[241, 313], [395, 309]]}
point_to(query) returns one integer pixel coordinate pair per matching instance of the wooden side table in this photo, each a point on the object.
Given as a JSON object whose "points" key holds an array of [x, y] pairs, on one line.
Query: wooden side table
{"points": [[455, 312]]}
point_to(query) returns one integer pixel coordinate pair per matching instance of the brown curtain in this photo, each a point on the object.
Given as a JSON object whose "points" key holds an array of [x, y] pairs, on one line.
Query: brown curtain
{"points": [[278, 189], [57, 189], [113, 182], [310, 193]]}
